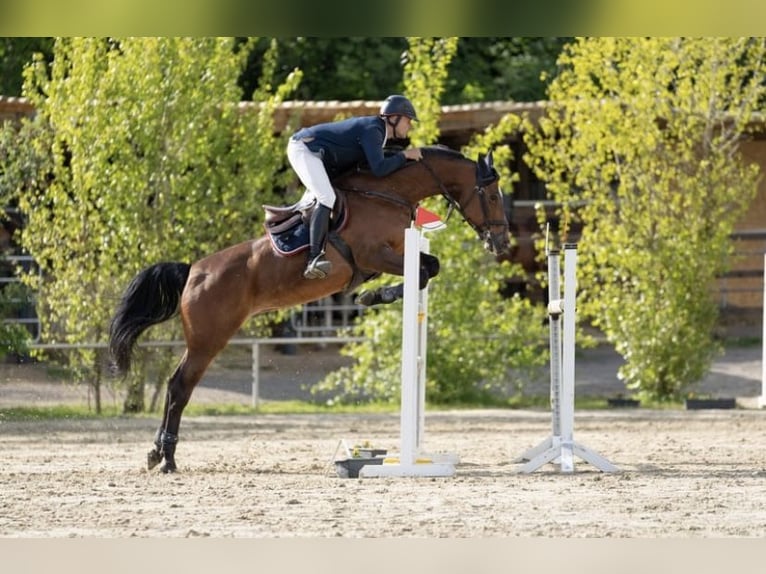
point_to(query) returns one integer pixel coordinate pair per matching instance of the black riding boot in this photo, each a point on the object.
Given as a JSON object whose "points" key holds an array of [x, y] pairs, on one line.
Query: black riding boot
{"points": [[318, 267]]}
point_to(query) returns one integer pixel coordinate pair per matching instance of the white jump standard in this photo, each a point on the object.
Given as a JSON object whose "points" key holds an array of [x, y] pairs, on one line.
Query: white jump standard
{"points": [[560, 447], [412, 461], [762, 398]]}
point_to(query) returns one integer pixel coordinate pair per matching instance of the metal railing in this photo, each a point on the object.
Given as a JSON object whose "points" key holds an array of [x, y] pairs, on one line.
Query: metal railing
{"points": [[325, 316], [30, 265], [254, 343]]}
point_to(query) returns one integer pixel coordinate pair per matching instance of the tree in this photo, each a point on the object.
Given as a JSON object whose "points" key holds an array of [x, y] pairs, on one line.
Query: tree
{"points": [[152, 160], [426, 64], [644, 134], [478, 341], [357, 68], [334, 68], [15, 53], [482, 68], [512, 68]]}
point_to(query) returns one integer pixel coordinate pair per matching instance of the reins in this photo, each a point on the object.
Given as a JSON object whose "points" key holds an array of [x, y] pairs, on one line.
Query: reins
{"points": [[388, 197]]}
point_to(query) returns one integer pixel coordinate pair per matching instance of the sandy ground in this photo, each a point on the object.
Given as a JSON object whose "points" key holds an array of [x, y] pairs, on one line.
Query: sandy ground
{"points": [[687, 474], [682, 474]]}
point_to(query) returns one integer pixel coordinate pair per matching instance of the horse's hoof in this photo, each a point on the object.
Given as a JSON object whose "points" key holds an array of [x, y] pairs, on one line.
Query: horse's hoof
{"points": [[153, 459], [367, 298]]}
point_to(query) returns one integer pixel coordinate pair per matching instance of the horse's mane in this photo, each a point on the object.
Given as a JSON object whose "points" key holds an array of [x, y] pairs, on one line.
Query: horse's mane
{"points": [[443, 151]]}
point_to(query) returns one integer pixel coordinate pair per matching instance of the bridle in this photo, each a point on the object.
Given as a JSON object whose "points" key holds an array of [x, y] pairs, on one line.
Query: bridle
{"points": [[484, 230]]}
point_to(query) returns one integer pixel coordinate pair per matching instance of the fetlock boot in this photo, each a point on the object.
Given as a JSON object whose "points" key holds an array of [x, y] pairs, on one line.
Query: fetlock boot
{"points": [[169, 442], [318, 267]]}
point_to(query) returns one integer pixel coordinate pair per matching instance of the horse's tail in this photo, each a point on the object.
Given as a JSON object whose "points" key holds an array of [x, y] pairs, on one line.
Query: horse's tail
{"points": [[151, 297]]}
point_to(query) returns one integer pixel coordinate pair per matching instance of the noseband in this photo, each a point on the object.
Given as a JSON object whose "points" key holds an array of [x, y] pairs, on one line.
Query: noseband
{"points": [[485, 229]]}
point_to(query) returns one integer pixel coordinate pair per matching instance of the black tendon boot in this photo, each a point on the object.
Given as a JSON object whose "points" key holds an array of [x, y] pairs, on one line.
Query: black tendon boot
{"points": [[318, 267], [381, 295], [169, 441]]}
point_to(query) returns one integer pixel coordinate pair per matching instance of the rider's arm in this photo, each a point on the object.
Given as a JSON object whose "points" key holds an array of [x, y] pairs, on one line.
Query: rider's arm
{"points": [[372, 144]]}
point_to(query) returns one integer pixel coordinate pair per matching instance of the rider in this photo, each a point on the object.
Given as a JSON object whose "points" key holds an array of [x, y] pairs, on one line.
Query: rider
{"points": [[331, 148]]}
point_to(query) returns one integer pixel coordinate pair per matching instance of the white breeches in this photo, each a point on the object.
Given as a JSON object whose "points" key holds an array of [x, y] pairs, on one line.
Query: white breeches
{"points": [[310, 170]]}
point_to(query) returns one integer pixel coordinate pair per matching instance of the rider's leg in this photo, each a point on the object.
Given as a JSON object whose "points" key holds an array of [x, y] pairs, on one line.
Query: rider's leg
{"points": [[318, 267], [310, 169]]}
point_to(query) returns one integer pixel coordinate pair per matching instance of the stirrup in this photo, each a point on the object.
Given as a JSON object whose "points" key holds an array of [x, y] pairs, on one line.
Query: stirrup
{"points": [[318, 268]]}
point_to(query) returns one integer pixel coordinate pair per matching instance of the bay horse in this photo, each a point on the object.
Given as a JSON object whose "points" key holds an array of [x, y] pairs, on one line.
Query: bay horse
{"points": [[216, 294]]}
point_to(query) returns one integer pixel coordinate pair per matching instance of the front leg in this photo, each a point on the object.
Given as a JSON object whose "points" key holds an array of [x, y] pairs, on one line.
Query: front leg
{"points": [[382, 295], [429, 267]]}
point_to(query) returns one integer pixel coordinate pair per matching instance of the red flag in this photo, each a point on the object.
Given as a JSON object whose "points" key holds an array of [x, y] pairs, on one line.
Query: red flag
{"points": [[428, 220]]}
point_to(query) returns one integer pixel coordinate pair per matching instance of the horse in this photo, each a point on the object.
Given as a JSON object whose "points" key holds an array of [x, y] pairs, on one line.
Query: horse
{"points": [[216, 294]]}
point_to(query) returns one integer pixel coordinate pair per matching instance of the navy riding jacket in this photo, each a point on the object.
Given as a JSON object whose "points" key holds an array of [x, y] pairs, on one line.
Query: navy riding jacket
{"points": [[346, 143]]}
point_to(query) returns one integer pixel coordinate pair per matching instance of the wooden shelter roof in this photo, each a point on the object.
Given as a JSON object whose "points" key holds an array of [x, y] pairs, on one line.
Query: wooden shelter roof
{"points": [[455, 121]]}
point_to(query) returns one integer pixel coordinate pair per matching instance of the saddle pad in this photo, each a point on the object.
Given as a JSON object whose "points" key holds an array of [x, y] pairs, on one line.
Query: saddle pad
{"points": [[292, 235], [292, 240]]}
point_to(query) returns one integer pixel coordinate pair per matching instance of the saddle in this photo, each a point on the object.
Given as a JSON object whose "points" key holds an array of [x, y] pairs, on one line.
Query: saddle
{"points": [[288, 226]]}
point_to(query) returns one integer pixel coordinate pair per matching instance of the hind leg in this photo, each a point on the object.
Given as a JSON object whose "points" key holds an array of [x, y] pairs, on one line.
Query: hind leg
{"points": [[203, 345], [180, 387]]}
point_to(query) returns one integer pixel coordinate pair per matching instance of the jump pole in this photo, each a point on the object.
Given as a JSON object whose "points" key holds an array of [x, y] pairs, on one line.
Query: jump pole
{"points": [[762, 398], [412, 461], [560, 448]]}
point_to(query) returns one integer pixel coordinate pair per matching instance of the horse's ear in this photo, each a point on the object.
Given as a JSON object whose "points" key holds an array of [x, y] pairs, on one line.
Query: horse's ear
{"points": [[485, 170], [482, 168]]}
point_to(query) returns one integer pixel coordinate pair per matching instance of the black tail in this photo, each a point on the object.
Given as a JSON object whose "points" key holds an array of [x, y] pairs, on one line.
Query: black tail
{"points": [[150, 298]]}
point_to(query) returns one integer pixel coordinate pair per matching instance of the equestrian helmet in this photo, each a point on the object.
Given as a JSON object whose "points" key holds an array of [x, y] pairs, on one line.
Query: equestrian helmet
{"points": [[397, 105]]}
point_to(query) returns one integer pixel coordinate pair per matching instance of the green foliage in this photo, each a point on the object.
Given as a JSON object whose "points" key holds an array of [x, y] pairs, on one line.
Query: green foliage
{"points": [[362, 68], [425, 70], [58, 412], [494, 138], [15, 53], [645, 133], [482, 69], [151, 158], [504, 68], [14, 337]]}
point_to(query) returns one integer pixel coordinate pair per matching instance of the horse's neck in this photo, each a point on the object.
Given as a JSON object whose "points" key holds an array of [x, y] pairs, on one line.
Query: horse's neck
{"points": [[411, 184]]}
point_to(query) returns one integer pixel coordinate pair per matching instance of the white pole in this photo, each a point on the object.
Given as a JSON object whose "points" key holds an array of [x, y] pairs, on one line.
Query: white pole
{"points": [[762, 399], [566, 400], [410, 347], [554, 342], [256, 376], [425, 246]]}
